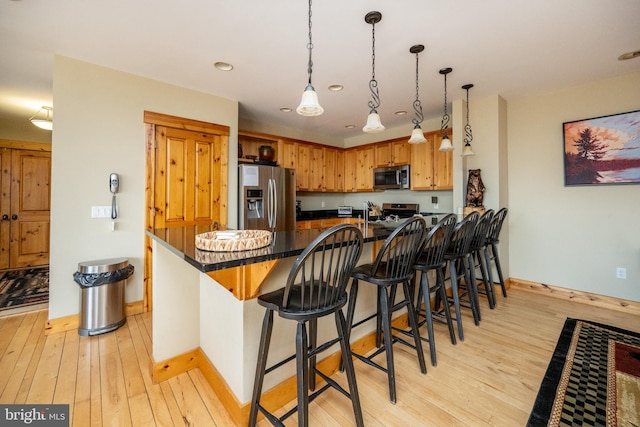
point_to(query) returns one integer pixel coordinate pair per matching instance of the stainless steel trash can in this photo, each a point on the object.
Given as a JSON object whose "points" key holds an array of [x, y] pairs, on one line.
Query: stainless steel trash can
{"points": [[102, 302]]}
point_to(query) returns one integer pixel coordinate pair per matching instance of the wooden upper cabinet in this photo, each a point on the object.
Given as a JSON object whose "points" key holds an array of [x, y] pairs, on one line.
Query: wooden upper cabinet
{"points": [[431, 169], [316, 168], [365, 157], [303, 167], [442, 166], [391, 153], [333, 170], [287, 154], [350, 167]]}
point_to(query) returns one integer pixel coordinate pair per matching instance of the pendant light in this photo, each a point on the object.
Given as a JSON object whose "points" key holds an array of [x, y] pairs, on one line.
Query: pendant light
{"points": [[417, 136], [445, 145], [373, 120], [467, 150], [43, 118], [309, 105]]}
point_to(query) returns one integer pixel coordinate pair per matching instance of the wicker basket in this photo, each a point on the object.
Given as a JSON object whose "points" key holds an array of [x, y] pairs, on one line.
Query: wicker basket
{"points": [[233, 241]]}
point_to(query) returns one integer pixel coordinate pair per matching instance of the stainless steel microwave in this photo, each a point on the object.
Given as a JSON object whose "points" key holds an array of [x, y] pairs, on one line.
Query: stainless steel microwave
{"points": [[392, 177]]}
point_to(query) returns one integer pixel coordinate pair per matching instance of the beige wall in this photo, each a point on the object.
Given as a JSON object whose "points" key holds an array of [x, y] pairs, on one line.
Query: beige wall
{"points": [[98, 130], [573, 237]]}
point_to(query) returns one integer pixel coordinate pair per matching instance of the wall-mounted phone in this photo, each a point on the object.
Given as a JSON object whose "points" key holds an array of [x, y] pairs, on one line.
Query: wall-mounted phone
{"points": [[114, 185]]}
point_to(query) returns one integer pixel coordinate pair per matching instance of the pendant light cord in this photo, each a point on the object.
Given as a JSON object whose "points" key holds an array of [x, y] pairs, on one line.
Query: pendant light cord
{"points": [[445, 118], [467, 129], [310, 47], [417, 105], [374, 102]]}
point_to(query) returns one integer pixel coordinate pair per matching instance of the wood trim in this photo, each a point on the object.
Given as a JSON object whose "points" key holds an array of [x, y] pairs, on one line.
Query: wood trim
{"points": [[177, 365], [25, 145], [611, 303], [71, 322], [186, 124], [62, 324], [150, 185]]}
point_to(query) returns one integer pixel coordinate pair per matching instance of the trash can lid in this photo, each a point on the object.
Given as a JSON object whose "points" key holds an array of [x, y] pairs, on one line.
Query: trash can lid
{"points": [[102, 265]]}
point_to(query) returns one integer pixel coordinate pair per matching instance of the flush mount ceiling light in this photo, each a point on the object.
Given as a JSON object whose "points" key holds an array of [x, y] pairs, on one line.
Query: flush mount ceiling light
{"points": [[400, 113], [309, 105], [467, 150], [629, 55], [43, 118], [285, 109], [417, 136], [335, 88], [223, 66], [373, 120], [445, 145]]}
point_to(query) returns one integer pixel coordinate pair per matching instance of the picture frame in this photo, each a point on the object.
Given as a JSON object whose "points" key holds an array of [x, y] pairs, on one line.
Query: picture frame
{"points": [[602, 150]]}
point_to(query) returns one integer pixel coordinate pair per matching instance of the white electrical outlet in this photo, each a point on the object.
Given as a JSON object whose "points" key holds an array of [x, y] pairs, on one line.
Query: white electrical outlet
{"points": [[621, 273], [322, 204], [100, 211]]}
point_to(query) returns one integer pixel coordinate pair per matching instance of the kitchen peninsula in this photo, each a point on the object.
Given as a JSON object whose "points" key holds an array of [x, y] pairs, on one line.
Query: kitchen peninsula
{"points": [[204, 317]]}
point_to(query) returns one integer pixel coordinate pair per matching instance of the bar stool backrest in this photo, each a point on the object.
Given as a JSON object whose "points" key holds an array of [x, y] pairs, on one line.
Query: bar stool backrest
{"points": [[462, 235], [493, 236], [437, 241], [481, 231], [395, 259], [322, 271]]}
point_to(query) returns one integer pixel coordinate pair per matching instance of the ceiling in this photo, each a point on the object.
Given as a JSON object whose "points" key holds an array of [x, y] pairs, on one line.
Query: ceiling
{"points": [[506, 47]]}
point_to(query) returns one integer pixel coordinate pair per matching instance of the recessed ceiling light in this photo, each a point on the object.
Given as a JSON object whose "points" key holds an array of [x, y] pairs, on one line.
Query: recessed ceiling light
{"points": [[350, 126], [629, 55], [223, 66], [336, 88], [400, 113], [285, 109]]}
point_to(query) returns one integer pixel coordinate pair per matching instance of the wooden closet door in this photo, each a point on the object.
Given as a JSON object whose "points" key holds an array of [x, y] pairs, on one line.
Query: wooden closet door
{"points": [[30, 208], [5, 205], [187, 178]]}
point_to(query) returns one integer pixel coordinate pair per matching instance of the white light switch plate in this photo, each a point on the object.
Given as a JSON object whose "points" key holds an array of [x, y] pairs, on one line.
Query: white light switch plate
{"points": [[100, 211]]}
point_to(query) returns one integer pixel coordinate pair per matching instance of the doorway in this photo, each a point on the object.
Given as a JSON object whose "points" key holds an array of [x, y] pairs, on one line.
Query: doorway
{"points": [[186, 178]]}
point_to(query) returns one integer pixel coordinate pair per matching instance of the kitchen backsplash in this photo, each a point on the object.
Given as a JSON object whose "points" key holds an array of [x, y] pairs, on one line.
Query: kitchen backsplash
{"points": [[317, 201]]}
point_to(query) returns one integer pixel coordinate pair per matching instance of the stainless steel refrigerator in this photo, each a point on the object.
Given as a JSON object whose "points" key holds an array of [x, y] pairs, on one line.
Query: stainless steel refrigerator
{"points": [[267, 197]]}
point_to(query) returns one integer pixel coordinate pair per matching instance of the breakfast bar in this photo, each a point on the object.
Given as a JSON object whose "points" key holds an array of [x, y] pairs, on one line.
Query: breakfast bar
{"points": [[205, 314]]}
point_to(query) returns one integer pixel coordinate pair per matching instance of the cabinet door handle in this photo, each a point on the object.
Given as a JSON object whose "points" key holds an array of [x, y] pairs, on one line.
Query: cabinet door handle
{"points": [[14, 216], [5, 217]]}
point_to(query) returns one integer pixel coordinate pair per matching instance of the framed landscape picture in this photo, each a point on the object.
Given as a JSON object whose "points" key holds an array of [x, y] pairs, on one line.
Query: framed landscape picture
{"points": [[602, 150]]}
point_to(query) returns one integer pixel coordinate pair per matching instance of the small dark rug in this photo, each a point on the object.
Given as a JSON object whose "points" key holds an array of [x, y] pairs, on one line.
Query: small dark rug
{"points": [[593, 378], [20, 288]]}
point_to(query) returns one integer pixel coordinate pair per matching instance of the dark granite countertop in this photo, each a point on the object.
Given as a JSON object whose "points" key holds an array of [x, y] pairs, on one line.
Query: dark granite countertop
{"points": [[181, 241], [325, 214]]}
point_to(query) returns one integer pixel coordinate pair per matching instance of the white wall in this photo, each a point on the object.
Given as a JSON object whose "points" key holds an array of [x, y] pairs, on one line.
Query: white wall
{"points": [[99, 129], [572, 237]]}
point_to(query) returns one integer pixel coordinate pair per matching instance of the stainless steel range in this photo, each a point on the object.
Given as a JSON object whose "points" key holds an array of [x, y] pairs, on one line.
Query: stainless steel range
{"points": [[394, 214]]}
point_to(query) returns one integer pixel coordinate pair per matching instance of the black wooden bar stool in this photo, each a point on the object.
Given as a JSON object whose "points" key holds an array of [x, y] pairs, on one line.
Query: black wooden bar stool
{"points": [[432, 259], [478, 260], [491, 248], [316, 287], [393, 266], [457, 257]]}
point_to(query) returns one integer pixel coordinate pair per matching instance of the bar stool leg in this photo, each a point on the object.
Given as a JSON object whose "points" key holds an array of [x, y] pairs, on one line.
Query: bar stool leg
{"points": [[263, 352], [472, 287], [487, 260], [406, 286], [388, 341], [425, 294], [302, 372], [485, 279], [347, 362], [442, 296], [453, 275], [496, 259], [313, 343]]}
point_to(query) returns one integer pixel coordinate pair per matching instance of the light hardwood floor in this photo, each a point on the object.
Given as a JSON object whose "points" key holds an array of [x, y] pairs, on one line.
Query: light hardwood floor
{"points": [[489, 379]]}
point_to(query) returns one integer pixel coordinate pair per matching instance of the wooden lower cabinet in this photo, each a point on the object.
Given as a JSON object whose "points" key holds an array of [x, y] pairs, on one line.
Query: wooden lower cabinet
{"points": [[323, 223]]}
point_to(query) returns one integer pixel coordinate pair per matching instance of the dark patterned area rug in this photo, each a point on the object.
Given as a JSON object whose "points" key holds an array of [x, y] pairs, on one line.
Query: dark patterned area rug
{"points": [[19, 288], [593, 378]]}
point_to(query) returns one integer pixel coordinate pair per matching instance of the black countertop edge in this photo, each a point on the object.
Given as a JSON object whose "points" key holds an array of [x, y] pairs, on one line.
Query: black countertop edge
{"points": [[326, 214], [285, 244]]}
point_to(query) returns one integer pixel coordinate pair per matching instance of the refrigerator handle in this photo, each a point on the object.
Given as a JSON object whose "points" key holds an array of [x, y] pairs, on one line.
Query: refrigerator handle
{"points": [[270, 203], [275, 203]]}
